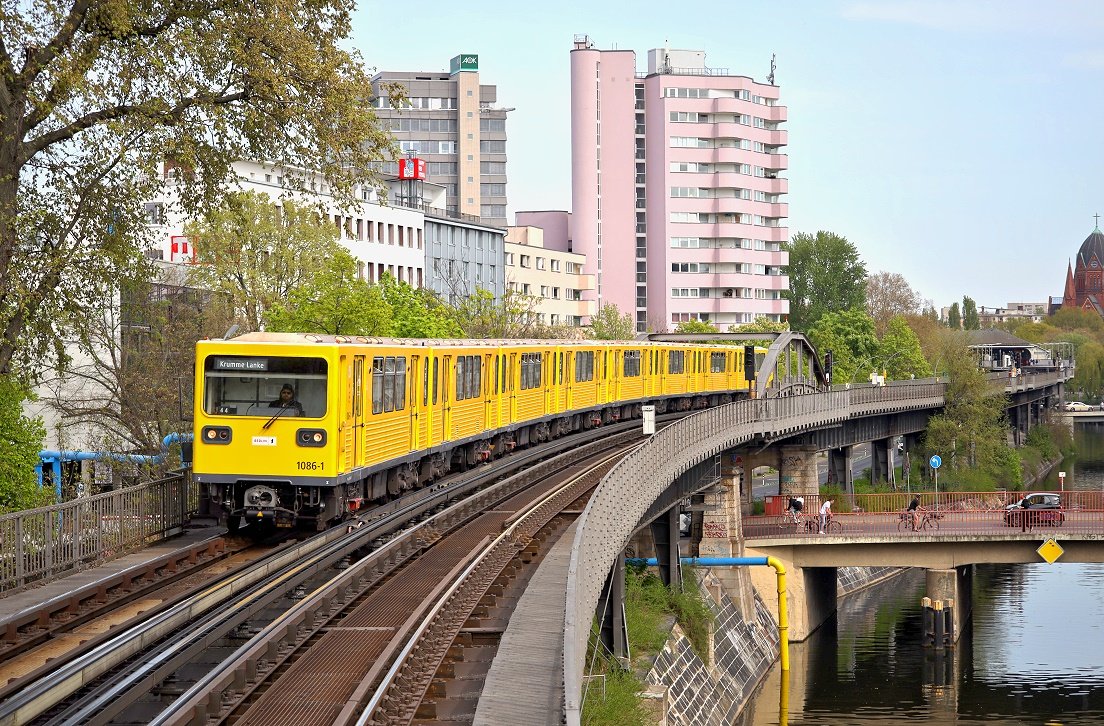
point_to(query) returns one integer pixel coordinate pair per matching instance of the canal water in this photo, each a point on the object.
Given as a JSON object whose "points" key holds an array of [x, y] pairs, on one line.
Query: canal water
{"points": [[1033, 652]]}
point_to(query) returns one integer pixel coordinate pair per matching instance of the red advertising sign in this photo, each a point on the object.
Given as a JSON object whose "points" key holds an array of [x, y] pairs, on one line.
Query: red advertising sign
{"points": [[412, 169]]}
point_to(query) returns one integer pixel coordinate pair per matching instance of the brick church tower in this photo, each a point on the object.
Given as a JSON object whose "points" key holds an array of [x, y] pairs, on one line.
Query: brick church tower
{"points": [[1085, 279]]}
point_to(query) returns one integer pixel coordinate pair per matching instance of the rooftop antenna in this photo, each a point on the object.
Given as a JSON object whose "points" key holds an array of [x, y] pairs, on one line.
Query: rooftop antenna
{"points": [[770, 76]]}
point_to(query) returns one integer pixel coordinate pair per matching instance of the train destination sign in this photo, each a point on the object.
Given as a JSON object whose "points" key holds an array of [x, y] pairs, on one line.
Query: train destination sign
{"points": [[241, 364]]}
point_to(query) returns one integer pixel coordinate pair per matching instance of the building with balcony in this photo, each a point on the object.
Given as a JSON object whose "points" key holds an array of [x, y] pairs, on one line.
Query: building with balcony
{"points": [[548, 272], [454, 123], [678, 188]]}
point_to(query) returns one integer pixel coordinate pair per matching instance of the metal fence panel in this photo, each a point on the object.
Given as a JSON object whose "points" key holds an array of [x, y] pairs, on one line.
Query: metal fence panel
{"points": [[39, 544]]}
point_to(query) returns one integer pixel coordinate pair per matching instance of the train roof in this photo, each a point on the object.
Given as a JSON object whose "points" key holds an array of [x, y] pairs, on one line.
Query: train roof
{"points": [[322, 338]]}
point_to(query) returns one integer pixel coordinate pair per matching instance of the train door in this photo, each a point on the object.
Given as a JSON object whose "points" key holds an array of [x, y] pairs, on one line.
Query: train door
{"points": [[357, 422], [548, 377], [446, 398], [417, 410]]}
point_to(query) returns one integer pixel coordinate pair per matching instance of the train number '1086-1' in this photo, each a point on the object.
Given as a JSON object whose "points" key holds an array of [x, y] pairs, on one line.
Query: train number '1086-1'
{"points": [[310, 465]]}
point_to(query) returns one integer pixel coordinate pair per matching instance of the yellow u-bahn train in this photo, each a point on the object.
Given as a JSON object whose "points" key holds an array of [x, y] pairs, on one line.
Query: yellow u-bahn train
{"points": [[305, 429]]}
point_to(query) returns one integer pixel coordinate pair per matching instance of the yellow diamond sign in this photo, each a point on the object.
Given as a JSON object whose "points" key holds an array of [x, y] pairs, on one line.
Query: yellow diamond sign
{"points": [[1050, 550]]}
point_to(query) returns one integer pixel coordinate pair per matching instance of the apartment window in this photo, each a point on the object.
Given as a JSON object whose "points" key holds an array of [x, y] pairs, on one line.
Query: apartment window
{"points": [[686, 92], [440, 168], [690, 142], [492, 190], [153, 212], [525, 261], [684, 267], [555, 293], [688, 117], [555, 265], [491, 146], [686, 242], [691, 217], [492, 124], [540, 263], [688, 192], [689, 166], [684, 292], [509, 259], [492, 167], [544, 291], [492, 210]]}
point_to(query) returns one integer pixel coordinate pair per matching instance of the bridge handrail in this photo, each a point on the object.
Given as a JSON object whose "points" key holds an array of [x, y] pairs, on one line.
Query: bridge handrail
{"points": [[614, 511], [36, 544]]}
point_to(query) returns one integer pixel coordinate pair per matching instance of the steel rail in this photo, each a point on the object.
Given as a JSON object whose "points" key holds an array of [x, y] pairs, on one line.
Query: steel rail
{"points": [[384, 691]]}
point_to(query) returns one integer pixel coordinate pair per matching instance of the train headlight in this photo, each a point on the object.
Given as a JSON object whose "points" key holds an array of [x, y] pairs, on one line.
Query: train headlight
{"points": [[311, 437], [216, 435]]}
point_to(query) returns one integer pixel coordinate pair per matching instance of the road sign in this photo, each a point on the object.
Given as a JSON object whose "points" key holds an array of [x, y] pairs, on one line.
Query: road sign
{"points": [[935, 461], [1050, 550]]}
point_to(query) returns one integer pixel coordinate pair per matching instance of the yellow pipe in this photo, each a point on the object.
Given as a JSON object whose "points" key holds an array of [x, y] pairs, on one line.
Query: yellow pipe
{"points": [[783, 616]]}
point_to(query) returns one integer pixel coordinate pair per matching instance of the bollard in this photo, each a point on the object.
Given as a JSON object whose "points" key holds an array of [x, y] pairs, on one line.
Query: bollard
{"points": [[938, 639], [926, 621], [948, 623]]}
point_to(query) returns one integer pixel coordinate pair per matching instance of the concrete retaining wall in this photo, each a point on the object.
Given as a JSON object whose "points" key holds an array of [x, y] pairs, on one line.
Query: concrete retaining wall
{"points": [[707, 694]]}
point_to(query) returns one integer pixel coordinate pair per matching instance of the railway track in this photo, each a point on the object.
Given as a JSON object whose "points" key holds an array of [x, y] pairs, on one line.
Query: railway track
{"points": [[135, 675]]}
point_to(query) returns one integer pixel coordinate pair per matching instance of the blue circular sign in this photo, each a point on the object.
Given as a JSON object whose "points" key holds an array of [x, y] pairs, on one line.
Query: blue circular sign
{"points": [[935, 461]]}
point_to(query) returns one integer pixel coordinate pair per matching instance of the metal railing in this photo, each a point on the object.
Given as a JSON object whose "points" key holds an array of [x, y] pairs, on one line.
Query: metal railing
{"points": [[625, 494], [977, 514], [39, 544]]}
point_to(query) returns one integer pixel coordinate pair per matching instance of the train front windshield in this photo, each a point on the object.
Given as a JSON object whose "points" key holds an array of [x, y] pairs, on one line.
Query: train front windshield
{"points": [[238, 385]]}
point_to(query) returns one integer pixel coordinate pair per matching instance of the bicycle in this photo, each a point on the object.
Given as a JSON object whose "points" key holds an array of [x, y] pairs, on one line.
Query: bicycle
{"points": [[927, 520], [789, 518], [812, 525]]}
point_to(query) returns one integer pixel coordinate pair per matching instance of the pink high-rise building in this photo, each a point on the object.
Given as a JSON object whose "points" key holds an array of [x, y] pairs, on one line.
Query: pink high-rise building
{"points": [[677, 187]]}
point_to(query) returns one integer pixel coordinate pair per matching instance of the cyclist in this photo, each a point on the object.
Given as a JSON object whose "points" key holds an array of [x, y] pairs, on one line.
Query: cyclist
{"points": [[825, 515], [914, 511], [796, 504]]}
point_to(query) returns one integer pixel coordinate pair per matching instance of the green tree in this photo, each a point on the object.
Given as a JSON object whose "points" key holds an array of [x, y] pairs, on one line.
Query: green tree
{"points": [[899, 352], [761, 324], [610, 324], [258, 254], [1089, 375], [850, 335], [20, 441], [826, 275], [695, 326], [954, 318], [336, 301], [970, 431], [516, 315], [1076, 318], [96, 96], [417, 312], [969, 313]]}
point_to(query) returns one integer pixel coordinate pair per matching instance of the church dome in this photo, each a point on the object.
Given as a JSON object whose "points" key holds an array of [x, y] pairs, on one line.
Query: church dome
{"points": [[1093, 246]]}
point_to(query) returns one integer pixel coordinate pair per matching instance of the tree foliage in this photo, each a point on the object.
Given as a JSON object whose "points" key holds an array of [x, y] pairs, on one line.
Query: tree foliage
{"points": [[336, 301], [417, 312], [850, 335], [971, 431], [258, 254], [888, 294], [900, 353], [969, 314], [95, 96], [761, 324], [516, 315], [609, 324], [20, 441], [131, 384], [954, 317], [826, 276], [695, 326]]}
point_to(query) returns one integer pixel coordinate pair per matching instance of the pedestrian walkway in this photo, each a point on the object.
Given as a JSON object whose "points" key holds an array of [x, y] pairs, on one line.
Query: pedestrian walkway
{"points": [[525, 682], [68, 591]]}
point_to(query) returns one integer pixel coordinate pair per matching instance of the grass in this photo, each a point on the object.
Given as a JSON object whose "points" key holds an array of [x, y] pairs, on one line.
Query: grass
{"points": [[650, 609]]}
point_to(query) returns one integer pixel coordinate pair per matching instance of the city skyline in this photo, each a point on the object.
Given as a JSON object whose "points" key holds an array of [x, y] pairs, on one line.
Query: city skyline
{"points": [[949, 143]]}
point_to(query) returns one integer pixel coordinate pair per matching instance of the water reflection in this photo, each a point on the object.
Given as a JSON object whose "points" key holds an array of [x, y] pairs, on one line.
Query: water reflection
{"points": [[1032, 654]]}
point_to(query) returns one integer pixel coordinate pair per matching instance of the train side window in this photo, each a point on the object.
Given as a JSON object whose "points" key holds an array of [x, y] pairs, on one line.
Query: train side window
{"points": [[400, 383], [504, 379], [434, 381], [377, 385], [425, 381], [631, 363], [496, 375], [388, 384], [475, 366], [461, 377]]}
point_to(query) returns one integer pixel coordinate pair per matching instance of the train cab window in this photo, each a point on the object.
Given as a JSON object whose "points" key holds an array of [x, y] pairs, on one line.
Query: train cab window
{"points": [[530, 371], [716, 362], [239, 385], [631, 363], [388, 384], [676, 361]]}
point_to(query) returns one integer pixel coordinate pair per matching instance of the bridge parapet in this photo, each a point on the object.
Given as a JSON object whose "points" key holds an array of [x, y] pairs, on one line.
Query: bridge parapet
{"points": [[641, 479]]}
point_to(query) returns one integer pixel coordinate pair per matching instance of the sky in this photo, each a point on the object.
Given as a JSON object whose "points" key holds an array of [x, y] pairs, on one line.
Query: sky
{"points": [[956, 142]]}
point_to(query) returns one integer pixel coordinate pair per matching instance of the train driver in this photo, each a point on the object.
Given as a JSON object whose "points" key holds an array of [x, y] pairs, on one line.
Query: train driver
{"points": [[287, 400]]}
